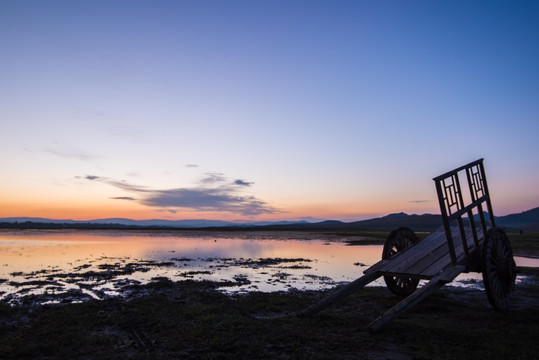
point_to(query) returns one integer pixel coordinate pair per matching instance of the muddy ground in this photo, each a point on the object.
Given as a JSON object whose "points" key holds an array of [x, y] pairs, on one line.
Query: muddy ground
{"points": [[192, 320]]}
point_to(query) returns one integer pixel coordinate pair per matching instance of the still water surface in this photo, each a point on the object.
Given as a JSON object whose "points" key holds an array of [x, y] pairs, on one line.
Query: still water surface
{"points": [[99, 263]]}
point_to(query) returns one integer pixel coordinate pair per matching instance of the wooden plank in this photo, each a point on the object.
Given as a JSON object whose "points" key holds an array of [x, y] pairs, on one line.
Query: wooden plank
{"points": [[416, 252], [340, 294], [420, 261], [437, 247], [437, 267], [376, 267], [428, 265], [438, 259], [372, 273], [442, 262], [406, 304]]}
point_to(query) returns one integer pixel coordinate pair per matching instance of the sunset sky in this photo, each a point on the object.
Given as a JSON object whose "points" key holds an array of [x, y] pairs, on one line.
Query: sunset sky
{"points": [[263, 110]]}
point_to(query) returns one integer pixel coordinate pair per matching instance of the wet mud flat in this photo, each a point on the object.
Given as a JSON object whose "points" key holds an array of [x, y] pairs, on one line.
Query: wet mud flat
{"points": [[73, 266], [106, 278], [195, 320]]}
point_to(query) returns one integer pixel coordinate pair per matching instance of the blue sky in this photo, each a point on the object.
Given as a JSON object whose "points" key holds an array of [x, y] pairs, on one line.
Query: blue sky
{"points": [[244, 110]]}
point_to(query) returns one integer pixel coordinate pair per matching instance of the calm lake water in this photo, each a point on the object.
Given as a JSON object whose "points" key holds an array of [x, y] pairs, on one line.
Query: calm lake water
{"points": [[100, 264]]}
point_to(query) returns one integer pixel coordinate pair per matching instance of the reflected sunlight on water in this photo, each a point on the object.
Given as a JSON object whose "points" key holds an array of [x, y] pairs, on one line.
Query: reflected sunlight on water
{"points": [[99, 263]]}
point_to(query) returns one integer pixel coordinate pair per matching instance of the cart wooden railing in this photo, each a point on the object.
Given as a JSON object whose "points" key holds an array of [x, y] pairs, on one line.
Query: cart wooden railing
{"points": [[465, 242]]}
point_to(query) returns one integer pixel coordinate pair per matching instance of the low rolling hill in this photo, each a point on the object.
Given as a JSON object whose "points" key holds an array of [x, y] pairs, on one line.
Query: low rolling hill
{"points": [[527, 221]]}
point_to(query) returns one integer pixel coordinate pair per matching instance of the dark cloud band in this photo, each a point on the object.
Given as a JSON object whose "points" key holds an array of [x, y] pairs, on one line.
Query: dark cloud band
{"points": [[213, 193], [123, 198]]}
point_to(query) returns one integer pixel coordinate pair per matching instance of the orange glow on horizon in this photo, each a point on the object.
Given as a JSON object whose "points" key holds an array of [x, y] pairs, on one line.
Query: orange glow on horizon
{"points": [[136, 211], [74, 211]]}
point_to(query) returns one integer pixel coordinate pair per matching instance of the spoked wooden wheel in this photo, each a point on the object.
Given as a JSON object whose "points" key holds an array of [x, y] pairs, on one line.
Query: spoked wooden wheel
{"points": [[398, 241], [499, 269]]}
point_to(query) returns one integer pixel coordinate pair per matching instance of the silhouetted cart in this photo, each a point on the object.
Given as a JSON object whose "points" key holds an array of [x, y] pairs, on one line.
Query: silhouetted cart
{"points": [[467, 242]]}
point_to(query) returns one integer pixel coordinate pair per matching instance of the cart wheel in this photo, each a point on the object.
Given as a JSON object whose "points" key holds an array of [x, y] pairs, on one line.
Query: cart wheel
{"points": [[397, 241], [499, 269]]}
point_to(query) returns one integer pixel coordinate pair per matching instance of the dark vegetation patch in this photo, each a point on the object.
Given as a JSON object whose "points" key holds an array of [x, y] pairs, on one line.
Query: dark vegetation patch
{"points": [[192, 274], [297, 267], [266, 261], [103, 272], [364, 242], [36, 283], [102, 280], [317, 277], [525, 244], [192, 320]]}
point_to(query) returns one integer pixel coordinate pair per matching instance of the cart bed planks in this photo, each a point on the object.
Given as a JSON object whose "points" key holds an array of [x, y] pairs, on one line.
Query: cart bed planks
{"points": [[465, 242], [426, 259]]}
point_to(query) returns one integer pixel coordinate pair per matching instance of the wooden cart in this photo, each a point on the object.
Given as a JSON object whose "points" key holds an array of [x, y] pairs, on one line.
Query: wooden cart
{"points": [[466, 242]]}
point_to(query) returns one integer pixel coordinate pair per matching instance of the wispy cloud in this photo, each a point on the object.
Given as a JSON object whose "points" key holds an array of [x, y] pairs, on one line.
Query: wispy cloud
{"points": [[119, 184], [214, 192], [213, 178], [123, 198], [127, 186], [420, 201], [69, 152]]}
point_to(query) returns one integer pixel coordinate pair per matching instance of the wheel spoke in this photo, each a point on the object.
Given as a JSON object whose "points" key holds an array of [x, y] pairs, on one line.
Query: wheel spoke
{"points": [[498, 269], [398, 241]]}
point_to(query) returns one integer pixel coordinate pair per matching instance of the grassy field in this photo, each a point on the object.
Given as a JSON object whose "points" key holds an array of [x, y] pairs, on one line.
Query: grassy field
{"points": [[190, 320], [525, 244]]}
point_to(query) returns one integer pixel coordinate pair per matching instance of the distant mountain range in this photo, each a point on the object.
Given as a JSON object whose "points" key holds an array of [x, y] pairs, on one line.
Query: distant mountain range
{"points": [[193, 223], [526, 221]]}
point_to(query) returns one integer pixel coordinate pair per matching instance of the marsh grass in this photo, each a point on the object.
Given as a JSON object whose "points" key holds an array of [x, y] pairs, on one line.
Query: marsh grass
{"points": [[191, 320], [525, 244]]}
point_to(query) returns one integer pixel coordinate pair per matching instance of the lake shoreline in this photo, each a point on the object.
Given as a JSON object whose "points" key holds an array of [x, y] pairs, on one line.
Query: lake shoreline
{"points": [[246, 261], [190, 319]]}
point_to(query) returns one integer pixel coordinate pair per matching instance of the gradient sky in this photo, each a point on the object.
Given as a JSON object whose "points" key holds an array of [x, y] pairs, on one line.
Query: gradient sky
{"points": [[263, 110]]}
